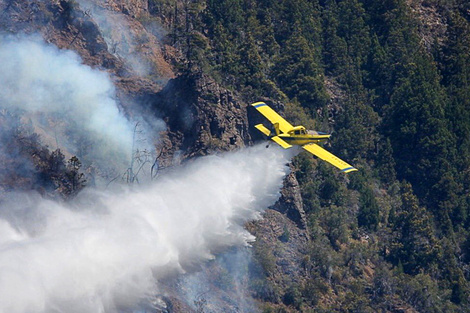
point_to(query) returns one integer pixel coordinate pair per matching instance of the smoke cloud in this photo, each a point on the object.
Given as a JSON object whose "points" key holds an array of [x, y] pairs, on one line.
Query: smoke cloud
{"points": [[221, 285], [70, 104], [105, 251], [121, 40]]}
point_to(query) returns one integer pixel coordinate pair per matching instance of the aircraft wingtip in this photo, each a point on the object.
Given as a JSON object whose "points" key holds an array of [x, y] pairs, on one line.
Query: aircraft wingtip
{"points": [[349, 169], [258, 104]]}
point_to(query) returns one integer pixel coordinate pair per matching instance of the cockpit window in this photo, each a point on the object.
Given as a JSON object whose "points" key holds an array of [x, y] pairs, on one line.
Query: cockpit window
{"points": [[297, 132]]}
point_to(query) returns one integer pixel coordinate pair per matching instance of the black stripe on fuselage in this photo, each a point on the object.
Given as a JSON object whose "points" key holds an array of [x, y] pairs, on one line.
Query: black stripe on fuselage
{"points": [[291, 138]]}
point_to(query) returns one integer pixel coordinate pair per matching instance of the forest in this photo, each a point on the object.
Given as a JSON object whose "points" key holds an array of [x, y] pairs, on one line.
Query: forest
{"points": [[390, 80]]}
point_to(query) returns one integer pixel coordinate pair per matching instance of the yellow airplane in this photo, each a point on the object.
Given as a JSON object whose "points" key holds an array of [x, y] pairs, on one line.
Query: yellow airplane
{"points": [[287, 135]]}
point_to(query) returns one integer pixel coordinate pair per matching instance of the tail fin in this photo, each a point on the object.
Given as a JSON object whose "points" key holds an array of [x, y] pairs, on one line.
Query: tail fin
{"points": [[276, 128]]}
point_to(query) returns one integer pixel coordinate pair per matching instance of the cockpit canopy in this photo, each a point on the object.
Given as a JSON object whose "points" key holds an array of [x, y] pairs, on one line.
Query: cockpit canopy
{"points": [[298, 130]]}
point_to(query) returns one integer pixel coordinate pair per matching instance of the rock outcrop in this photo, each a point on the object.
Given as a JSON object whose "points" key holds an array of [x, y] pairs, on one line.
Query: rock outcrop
{"points": [[202, 117], [291, 203]]}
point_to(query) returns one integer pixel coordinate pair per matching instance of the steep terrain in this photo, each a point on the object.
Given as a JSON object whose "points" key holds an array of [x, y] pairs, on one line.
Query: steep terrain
{"points": [[387, 78]]}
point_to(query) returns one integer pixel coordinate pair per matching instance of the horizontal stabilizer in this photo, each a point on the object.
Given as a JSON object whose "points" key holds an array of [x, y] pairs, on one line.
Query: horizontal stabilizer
{"points": [[263, 129], [281, 142], [329, 157]]}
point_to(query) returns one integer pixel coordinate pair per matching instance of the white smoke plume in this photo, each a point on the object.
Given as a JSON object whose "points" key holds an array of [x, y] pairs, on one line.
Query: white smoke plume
{"points": [[105, 251], [222, 285], [121, 40], [70, 102]]}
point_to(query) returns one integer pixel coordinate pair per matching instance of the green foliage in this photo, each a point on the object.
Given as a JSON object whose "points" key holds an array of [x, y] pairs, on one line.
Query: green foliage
{"points": [[264, 255], [334, 222], [264, 289], [297, 115], [161, 7], [27, 165], [314, 289], [329, 188], [357, 137], [423, 293], [455, 60], [76, 179], [298, 74], [322, 256], [285, 235], [368, 216], [385, 161], [414, 243], [305, 165], [398, 110], [417, 128], [293, 297]]}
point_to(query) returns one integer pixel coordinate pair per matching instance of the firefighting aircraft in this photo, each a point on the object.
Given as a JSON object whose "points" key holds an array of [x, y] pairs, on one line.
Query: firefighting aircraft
{"points": [[287, 135]]}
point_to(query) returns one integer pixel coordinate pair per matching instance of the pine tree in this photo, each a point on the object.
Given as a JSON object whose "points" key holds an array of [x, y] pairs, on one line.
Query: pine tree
{"points": [[455, 63], [299, 74], [414, 243], [368, 216]]}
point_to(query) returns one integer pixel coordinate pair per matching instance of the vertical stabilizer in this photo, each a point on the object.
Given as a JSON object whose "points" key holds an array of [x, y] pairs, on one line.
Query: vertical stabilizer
{"points": [[276, 129]]}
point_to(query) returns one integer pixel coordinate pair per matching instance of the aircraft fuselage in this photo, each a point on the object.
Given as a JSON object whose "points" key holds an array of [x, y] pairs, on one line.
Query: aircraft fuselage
{"points": [[300, 140], [300, 136]]}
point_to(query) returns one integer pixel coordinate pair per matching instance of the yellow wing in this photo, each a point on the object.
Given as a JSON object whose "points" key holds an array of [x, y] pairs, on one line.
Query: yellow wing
{"points": [[272, 116], [329, 157]]}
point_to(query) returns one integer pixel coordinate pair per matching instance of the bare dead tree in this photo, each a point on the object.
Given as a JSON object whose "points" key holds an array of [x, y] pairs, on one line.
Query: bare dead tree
{"points": [[155, 166], [141, 160]]}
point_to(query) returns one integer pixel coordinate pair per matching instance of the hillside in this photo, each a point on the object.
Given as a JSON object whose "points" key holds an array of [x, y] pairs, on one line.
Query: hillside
{"points": [[388, 80]]}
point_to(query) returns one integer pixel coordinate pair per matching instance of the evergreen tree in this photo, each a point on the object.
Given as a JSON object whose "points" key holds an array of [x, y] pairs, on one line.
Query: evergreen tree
{"points": [[421, 141], [414, 243], [456, 77], [334, 47], [368, 216], [299, 75]]}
